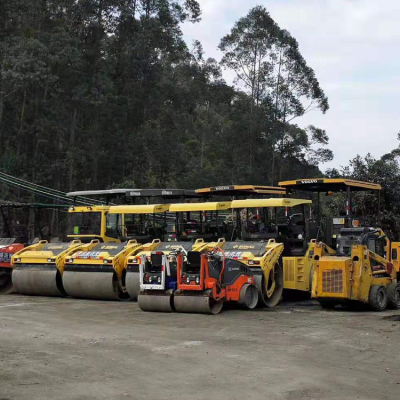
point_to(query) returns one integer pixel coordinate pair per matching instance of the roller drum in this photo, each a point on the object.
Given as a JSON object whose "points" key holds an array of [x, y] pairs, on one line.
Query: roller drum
{"points": [[92, 285], [132, 281], [276, 296], [248, 296], [38, 280], [150, 301], [197, 304]]}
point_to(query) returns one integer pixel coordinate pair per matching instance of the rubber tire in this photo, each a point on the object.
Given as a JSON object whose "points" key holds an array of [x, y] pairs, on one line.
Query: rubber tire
{"points": [[378, 298], [327, 304], [393, 291]]}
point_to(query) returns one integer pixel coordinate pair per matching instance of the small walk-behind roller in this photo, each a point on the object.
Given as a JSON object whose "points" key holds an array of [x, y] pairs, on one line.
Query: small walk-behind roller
{"points": [[158, 281], [207, 280], [133, 263]]}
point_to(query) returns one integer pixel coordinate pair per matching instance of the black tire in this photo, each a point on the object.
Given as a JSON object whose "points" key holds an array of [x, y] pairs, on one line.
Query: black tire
{"points": [[393, 291], [327, 304], [378, 298]]}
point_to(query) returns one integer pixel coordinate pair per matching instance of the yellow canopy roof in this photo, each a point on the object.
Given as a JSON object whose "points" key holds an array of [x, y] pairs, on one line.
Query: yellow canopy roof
{"points": [[329, 184], [237, 189], [268, 203], [140, 209], [212, 206]]}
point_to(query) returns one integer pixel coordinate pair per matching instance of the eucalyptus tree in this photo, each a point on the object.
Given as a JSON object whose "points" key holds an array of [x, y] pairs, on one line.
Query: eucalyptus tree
{"points": [[269, 66]]}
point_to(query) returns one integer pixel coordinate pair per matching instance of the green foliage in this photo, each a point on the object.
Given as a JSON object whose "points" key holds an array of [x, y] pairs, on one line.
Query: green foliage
{"points": [[104, 93]]}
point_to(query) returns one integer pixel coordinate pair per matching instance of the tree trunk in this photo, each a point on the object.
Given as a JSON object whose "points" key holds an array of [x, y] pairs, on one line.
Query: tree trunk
{"points": [[71, 167], [21, 124], [1, 118], [276, 117]]}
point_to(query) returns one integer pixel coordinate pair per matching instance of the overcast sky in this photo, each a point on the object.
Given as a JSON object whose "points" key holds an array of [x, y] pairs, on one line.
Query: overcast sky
{"points": [[354, 48]]}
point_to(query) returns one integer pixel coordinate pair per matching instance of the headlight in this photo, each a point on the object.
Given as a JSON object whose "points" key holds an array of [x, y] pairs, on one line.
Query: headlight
{"points": [[18, 260], [187, 280], [197, 280]]}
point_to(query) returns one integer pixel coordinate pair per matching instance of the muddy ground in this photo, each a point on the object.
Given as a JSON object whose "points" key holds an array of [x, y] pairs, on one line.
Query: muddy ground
{"points": [[65, 349]]}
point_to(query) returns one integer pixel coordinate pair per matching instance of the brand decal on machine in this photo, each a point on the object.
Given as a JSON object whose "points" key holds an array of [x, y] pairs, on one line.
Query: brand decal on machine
{"points": [[233, 254], [5, 257], [222, 187], [243, 247], [88, 254]]}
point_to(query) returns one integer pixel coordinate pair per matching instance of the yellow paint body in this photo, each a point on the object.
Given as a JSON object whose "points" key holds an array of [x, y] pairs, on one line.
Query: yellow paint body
{"points": [[96, 209], [42, 252], [267, 262], [110, 254], [147, 249], [351, 277], [298, 271]]}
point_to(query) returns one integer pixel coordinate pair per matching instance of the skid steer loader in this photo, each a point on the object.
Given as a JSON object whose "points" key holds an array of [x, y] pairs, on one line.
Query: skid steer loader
{"points": [[361, 272], [365, 251]]}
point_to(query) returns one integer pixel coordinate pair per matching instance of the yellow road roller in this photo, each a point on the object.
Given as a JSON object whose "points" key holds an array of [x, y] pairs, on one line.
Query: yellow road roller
{"points": [[98, 273], [101, 273], [283, 221], [38, 269]]}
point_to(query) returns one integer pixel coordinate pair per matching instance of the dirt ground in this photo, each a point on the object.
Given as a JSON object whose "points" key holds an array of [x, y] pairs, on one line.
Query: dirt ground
{"points": [[64, 349]]}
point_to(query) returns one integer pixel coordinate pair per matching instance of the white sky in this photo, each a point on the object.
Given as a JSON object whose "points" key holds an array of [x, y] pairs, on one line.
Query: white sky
{"points": [[353, 47]]}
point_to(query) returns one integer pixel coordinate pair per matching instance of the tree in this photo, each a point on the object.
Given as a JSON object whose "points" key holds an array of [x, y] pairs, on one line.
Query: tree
{"points": [[269, 65]]}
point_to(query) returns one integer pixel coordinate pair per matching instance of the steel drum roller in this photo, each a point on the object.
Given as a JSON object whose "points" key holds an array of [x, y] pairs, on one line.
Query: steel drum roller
{"points": [[38, 280], [91, 285], [156, 302]]}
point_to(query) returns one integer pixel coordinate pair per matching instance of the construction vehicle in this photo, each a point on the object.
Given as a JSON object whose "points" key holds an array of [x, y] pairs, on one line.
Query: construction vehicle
{"points": [[86, 223], [327, 228], [207, 280], [98, 272], [364, 266], [21, 224], [158, 273], [38, 268], [200, 221], [8, 247], [101, 273], [273, 244], [362, 271], [186, 232], [235, 192], [142, 223], [135, 196]]}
